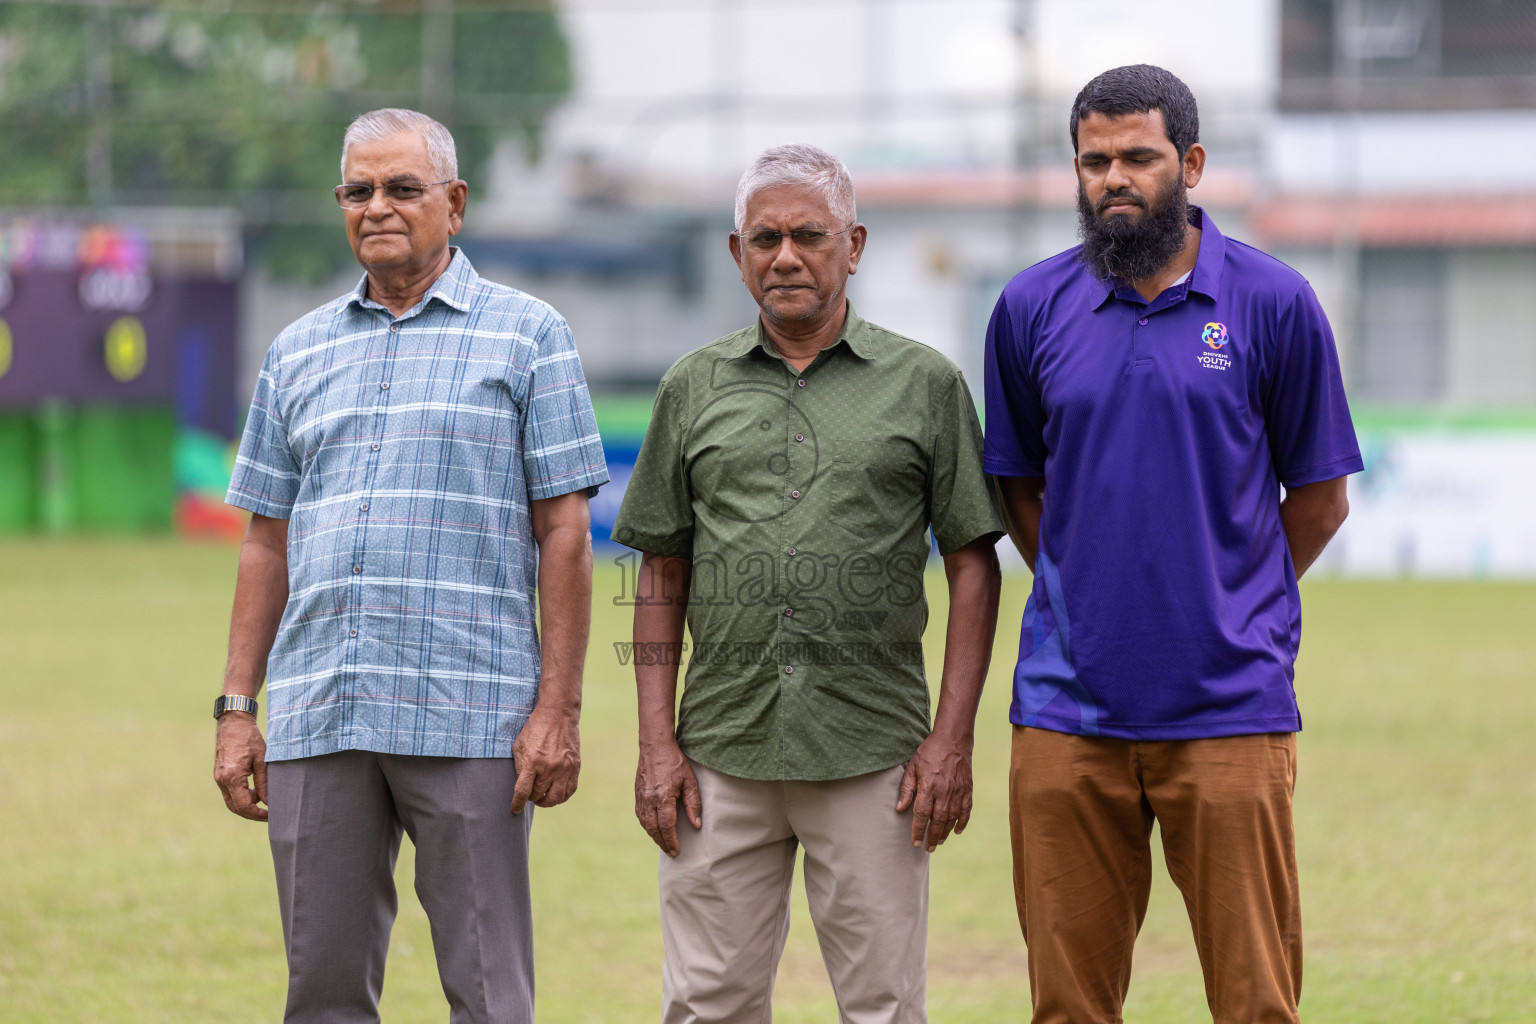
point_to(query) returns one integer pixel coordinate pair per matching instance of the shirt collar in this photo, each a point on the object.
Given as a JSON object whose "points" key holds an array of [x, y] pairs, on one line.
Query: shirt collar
{"points": [[855, 333], [1205, 278], [454, 287]]}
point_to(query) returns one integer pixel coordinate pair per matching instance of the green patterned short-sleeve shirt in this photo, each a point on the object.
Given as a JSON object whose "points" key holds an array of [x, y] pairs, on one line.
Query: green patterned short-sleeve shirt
{"points": [[805, 502]]}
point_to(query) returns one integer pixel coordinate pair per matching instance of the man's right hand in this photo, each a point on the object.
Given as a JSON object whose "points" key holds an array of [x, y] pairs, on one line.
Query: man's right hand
{"points": [[261, 591], [239, 756], [663, 778]]}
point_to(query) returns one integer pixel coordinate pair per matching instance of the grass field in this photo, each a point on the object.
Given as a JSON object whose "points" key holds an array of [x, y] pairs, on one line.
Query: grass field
{"points": [[130, 895]]}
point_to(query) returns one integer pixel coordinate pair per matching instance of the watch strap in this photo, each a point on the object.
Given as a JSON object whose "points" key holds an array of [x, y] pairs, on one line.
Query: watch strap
{"points": [[233, 702]]}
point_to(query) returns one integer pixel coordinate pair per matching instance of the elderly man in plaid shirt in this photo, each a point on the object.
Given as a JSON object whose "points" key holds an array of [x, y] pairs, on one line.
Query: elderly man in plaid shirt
{"points": [[417, 462]]}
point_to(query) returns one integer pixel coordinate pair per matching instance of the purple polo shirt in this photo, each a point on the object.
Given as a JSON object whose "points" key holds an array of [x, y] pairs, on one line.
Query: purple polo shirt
{"points": [[1165, 603]]}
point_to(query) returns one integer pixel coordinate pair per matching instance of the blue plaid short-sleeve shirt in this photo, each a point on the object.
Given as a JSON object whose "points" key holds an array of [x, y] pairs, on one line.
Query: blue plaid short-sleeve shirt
{"points": [[404, 452]]}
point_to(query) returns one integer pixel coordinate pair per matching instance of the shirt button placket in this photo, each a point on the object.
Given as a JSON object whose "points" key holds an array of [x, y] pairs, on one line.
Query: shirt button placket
{"points": [[364, 502], [789, 550], [394, 330], [352, 612]]}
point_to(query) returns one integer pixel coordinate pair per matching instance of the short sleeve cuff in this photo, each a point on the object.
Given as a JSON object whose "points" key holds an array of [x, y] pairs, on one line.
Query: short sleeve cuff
{"points": [[1010, 467], [589, 482], [1341, 466], [674, 545], [952, 539], [261, 506]]}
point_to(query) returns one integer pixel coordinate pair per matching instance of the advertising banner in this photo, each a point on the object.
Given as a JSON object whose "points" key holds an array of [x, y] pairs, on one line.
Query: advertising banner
{"points": [[1441, 499]]}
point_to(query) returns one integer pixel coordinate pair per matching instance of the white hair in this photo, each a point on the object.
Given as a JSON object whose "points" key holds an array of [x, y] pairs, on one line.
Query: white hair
{"points": [[378, 125], [799, 164]]}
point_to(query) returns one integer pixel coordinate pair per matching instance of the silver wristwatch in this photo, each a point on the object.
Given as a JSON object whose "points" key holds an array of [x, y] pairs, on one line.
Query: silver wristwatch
{"points": [[233, 702]]}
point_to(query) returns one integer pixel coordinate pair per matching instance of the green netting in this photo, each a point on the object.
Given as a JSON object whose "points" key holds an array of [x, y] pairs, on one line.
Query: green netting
{"points": [[124, 468], [18, 472], [57, 507]]}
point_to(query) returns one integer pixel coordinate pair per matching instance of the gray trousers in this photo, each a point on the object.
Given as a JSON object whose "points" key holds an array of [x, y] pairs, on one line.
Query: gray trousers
{"points": [[335, 824]]}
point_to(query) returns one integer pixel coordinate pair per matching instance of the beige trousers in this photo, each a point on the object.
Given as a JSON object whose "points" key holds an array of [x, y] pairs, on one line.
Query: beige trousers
{"points": [[725, 899]]}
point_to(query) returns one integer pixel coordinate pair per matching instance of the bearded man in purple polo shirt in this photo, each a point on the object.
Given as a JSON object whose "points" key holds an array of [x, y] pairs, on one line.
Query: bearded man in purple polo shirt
{"points": [[1149, 395]]}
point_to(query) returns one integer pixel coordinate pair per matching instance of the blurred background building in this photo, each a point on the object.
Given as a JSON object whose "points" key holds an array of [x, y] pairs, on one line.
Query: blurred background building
{"points": [[1385, 148]]}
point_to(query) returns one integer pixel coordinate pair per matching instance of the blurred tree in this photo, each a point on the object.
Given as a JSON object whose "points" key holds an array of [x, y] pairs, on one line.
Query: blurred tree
{"points": [[160, 102]]}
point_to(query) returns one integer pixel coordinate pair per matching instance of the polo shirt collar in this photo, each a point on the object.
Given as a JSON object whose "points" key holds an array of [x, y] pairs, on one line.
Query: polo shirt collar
{"points": [[454, 287], [855, 334], [1205, 278]]}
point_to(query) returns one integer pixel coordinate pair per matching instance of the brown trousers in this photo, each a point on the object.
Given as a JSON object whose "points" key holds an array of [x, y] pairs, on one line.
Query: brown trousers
{"points": [[1081, 811]]}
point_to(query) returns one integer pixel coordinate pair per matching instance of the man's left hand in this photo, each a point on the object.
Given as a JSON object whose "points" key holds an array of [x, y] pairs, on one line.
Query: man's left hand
{"points": [[547, 756], [937, 786]]}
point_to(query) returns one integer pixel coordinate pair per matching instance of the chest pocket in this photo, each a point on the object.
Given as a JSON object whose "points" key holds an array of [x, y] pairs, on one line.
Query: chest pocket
{"points": [[742, 463], [878, 487]]}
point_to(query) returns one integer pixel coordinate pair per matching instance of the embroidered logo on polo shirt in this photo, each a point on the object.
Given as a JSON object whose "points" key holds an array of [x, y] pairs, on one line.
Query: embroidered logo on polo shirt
{"points": [[1215, 338]]}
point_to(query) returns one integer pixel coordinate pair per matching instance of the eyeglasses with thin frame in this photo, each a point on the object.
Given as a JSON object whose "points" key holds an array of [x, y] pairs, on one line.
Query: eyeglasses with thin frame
{"points": [[804, 239], [355, 195]]}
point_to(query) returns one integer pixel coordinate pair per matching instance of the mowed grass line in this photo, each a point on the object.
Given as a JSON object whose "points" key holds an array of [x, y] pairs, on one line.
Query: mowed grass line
{"points": [[131, 895]]}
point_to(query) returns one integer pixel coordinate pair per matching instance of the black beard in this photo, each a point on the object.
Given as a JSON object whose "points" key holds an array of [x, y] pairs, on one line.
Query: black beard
{"points": [[1133, 249]]}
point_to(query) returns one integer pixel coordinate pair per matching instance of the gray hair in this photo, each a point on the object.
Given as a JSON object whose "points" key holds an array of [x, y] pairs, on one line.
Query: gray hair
{"points": [[378, 125], [799, 164]]}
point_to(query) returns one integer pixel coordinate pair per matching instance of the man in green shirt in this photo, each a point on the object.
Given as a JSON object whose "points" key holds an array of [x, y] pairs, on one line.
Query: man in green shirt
{"points": [[783, 499]]}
